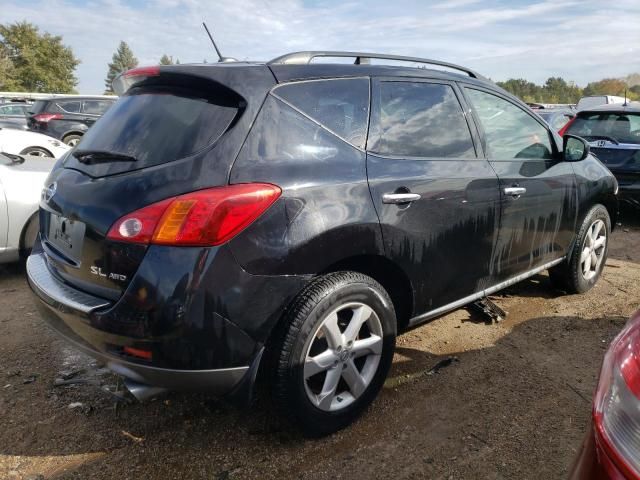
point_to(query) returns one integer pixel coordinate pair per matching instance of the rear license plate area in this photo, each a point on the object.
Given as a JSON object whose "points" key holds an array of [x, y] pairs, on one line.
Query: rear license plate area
{"points": [[66, 236]]}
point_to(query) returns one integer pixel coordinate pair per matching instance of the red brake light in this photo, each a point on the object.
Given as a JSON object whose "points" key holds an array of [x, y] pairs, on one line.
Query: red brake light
{"points": [[46, 117], [124, 81], [138, 352], [205, 217], [616, 409], [563, 130]]}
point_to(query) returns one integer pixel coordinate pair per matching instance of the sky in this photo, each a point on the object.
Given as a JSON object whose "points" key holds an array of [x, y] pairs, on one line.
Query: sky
{"points": [[579, 40]]}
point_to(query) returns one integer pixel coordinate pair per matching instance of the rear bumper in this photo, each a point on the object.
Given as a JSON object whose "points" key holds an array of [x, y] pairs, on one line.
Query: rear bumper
{"points": [[67, 310], [192, 345]]}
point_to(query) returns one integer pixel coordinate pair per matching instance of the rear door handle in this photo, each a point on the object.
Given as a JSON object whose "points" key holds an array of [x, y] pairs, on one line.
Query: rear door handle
{"points": [[515, 191], [399, 198]]}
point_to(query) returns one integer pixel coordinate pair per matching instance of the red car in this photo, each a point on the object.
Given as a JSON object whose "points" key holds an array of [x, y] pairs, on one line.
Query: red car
{"points": [[612, 447]]}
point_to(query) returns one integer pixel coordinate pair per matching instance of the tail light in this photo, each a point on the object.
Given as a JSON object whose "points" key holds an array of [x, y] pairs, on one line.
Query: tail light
{"points": [[46, 117], [123, 82], [564, 129], [205, 217], [616, 410]]}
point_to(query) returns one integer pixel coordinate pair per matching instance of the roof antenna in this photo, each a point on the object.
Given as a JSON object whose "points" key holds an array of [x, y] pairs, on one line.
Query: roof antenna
{"points": [[625, 97], [220, 57]]}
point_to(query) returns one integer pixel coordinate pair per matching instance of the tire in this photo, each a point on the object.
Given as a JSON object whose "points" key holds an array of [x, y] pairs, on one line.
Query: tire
{"points": [[354, 361], [72, 140], [29, 235], [37, 151], [579, 273]]}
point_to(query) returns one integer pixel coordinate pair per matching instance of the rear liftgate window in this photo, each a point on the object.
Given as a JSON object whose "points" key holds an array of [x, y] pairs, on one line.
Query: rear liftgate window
{"points": [[159, 124]]}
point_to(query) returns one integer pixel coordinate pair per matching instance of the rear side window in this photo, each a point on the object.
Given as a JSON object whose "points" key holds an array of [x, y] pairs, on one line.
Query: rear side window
{"points": [[96, 107], [340, 105], [510, 132], [157, 124], [419, 120], [619, 127], [70, 107]]}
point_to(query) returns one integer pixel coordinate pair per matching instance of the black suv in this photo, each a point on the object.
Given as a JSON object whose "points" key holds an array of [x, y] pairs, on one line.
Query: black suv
{"points": [[67, 118], [284, 221]]}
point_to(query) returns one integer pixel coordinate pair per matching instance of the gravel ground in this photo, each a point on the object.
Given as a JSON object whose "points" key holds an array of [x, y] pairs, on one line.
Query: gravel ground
{"points": [[513, 402]]}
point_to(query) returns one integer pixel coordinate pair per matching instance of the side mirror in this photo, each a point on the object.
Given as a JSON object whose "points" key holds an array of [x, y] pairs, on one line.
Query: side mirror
{"points": [[574, 148]]}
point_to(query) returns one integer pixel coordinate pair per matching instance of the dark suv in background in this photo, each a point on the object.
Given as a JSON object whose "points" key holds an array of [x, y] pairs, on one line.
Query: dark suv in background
{"points": [[285, 221], [613, 132], [67, 118]]}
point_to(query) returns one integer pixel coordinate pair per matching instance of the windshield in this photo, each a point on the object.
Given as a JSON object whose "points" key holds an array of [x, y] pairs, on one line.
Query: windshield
{"points": [[619, 126]]}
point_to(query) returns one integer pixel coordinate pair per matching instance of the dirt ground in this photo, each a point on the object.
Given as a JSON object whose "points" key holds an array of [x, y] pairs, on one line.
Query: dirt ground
{"points": [[514, 404]]}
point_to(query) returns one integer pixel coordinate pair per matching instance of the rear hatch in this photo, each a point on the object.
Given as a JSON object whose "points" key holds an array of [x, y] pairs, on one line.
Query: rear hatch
{"points": [[37, 108], [176, 130], [614, 137]]}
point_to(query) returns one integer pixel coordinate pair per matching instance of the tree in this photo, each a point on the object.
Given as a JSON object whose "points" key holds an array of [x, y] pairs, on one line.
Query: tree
{"points": [[166, 60], [121, 61], [608, 86], [527, 91], [35, 62], [8, 80]]}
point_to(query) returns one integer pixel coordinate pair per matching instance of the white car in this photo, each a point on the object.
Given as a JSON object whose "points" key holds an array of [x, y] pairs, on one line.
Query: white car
{"points": [[21, 181], [19, 142]]}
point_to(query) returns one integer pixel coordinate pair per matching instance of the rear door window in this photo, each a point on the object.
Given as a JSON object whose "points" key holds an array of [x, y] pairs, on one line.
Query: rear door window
{"points": [[70, 107], [96, 107], [340, 105], [510, 132], [419, 119], [158, 124]]}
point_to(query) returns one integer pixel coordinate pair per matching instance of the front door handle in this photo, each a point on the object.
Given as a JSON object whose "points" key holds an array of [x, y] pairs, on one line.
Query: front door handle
{"points": [[515, 191], [400, 198]]}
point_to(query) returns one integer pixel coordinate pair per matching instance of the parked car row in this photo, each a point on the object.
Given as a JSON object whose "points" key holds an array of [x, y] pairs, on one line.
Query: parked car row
{"points": [[64, 118]]}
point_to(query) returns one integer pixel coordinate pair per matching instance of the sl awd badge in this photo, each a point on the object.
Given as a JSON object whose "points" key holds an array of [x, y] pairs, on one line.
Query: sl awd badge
{"points": [[111, 276]]}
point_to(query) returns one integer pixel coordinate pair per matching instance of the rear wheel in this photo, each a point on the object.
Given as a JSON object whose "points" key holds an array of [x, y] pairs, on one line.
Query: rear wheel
{"points": [[584, 265], [72, 140], [333, 352], [36, 151]]}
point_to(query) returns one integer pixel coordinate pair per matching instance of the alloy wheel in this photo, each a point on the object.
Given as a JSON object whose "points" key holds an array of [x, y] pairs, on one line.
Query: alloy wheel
{"points": [[593, 249], [343, 356]]}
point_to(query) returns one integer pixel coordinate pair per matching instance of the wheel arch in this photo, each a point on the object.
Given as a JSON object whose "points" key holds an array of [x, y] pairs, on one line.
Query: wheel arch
{"points": [[25, 227], [23, 151], [388, 274], [72, 132]]}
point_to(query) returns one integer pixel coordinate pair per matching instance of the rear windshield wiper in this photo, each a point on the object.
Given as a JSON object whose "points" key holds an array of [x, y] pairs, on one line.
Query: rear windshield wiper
{"points": [[96, 156]]}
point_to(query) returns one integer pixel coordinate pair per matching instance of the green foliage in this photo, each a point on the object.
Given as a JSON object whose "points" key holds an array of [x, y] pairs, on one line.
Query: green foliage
{"points": [[166, 60], [554, 90], [8, 78], [121, 61], [35, 62], [558, 90]]}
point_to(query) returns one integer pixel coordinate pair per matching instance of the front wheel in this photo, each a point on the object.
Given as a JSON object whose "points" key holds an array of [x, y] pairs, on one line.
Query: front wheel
{"points": [[333, 352], [584, 265]]}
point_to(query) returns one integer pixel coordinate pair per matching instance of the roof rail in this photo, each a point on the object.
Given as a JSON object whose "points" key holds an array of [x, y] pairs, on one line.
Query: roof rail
{"points": [[362, 58]]}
